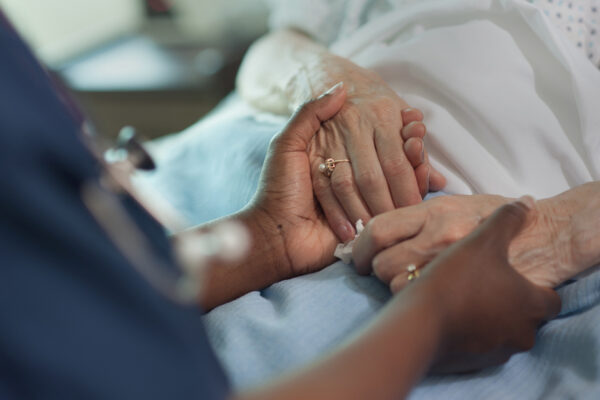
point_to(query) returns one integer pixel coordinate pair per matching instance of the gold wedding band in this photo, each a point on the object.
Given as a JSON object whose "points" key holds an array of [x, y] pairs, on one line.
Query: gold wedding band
{"points": [[328, 166]]}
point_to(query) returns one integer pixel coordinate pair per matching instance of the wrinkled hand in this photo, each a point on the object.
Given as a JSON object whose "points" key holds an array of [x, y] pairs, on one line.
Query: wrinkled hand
{"points": [[383, 138], [285, 207], [488, 310], [559, 240], [416, 235], [562, 237]]}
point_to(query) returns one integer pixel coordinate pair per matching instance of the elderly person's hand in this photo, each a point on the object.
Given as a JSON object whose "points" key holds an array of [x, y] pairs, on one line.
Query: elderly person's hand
{"points": [[376, 130], [488, 310], [561, 237], [383, 140]]}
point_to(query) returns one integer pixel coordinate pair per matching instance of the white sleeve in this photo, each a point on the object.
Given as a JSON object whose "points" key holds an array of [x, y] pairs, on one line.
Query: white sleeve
{"points": [[320, 19]]}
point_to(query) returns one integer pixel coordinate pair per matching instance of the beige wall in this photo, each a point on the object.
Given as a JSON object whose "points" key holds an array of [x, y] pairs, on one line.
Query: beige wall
{"points": [[59, 29]]}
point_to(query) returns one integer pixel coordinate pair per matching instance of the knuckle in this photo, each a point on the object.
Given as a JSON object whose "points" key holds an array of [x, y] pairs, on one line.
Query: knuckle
{"points": [[351, 115], [376, 231], [342, 184], [320, 186], [453, 234], [440, 206], [387, 110], [383, 268], [368, 178], [396, 167]]}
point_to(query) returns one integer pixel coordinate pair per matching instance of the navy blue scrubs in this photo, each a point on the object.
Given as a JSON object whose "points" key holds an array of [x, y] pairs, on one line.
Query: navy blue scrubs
{"points": [[76, 320]]}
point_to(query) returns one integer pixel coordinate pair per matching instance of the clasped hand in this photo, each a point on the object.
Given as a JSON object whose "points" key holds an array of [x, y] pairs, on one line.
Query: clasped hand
{"points": [[383, 139], [489, 310]]}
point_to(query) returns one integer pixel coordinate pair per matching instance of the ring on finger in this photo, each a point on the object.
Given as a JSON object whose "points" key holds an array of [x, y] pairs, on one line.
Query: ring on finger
{"points": [[329, 165], [413, 272]]}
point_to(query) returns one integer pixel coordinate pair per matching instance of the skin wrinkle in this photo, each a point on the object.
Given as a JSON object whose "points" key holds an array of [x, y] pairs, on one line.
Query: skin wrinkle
{"points": [[281, 234], [585, 235]]}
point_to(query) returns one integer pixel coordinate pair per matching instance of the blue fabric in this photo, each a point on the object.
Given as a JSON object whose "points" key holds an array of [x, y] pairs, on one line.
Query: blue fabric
{"points": [[76, 320], [265, 333]]}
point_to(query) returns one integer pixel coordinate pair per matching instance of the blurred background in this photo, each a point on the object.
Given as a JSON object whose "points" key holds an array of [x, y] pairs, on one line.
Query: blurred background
{"points": [[158, 65]]}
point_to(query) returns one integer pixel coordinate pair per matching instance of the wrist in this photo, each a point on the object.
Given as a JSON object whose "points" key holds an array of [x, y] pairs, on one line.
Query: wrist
{"points": [[561, 238], [425, 299], [225, 280], [578, 213], [268, 242]]}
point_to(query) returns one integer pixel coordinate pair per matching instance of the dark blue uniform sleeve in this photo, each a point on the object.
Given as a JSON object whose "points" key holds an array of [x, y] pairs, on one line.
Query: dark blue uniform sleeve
{"points": [[76, 320]]}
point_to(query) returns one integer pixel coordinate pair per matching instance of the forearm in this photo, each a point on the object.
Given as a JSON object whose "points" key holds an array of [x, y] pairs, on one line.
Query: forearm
{"points": [[384, 362], [259, 268], [279, 71]]}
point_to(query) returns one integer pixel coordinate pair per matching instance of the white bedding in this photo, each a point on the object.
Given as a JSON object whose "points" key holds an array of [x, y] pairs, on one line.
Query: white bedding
{"points": [[511, 106]]}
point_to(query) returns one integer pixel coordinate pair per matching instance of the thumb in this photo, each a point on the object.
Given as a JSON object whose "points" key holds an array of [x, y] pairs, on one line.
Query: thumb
{"points": [[307, 120], [506, 223], [550, 301]]}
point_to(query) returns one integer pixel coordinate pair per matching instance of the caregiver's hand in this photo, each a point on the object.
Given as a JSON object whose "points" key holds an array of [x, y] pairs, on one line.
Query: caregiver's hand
{"points": [[383, 139], [487, 314], [289, 234], [285, 207], [488, 310]]}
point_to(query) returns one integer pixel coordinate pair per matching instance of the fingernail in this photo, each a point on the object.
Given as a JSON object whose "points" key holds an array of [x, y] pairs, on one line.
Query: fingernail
{"points": [[346, 232], [333, 90], [422, 152]]}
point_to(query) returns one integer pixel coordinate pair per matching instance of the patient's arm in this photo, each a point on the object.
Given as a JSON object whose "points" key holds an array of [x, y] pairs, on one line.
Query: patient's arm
{"points": [[560, 239], [389, 166]]}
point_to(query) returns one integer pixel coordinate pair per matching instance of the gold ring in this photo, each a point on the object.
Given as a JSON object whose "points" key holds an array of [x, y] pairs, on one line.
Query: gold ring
{"points": [[328, 166], [413, 272]]}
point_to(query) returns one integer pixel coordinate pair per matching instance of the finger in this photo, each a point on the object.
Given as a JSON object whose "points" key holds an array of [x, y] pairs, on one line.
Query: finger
{"points": [[334, 213], [398, 283], [398, 171], [422, 167], [347, 193], [385, 230], [368, 170], [551, 302], [504, 224], [422, 173], [411, 115], [437, 181], [394, 261], [307, 120], [415, 129], [414, 149]]}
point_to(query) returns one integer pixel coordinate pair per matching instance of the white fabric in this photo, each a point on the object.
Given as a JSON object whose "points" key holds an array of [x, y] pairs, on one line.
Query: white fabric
{"points": [[579, 20], [510, 105], [329, 20], [343, 251]]}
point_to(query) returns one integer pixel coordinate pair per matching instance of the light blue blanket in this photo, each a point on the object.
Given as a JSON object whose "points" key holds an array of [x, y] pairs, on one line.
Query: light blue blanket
{"points": [[212, 169]]}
